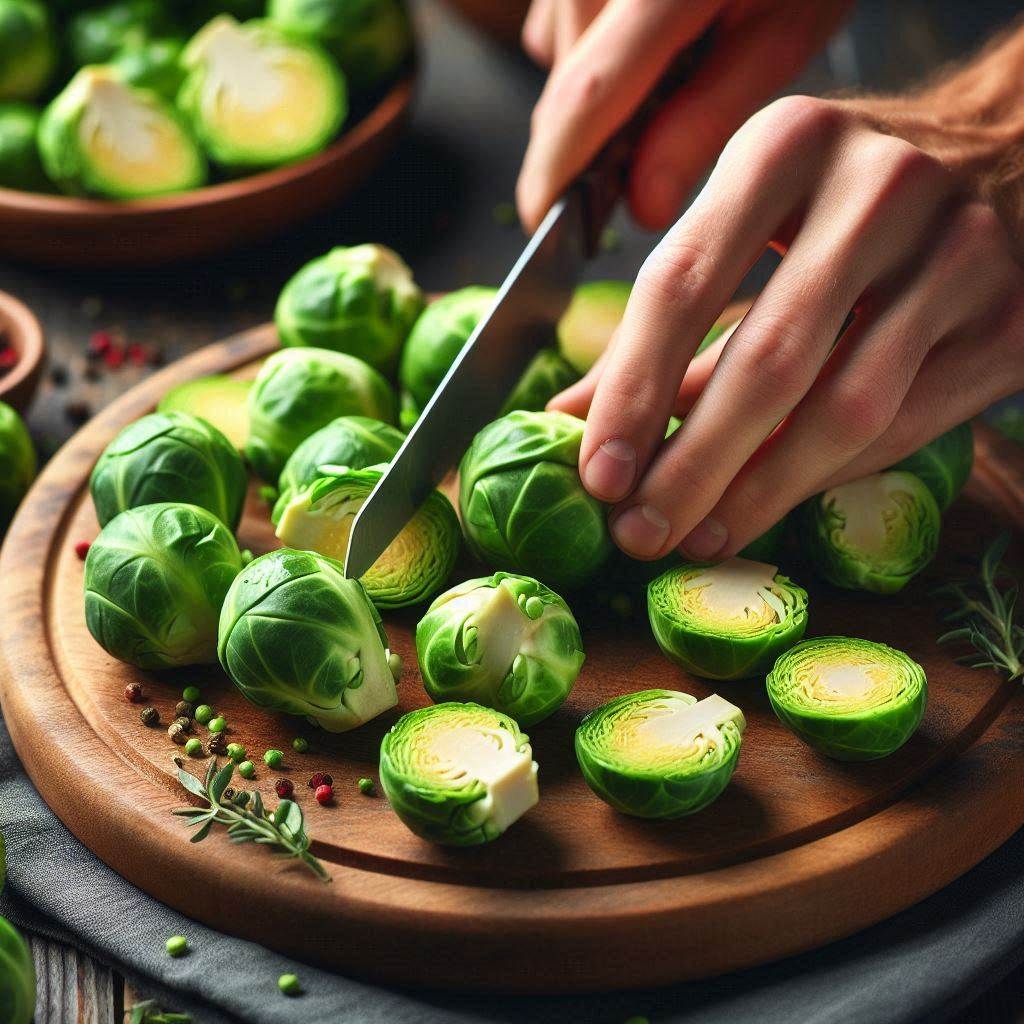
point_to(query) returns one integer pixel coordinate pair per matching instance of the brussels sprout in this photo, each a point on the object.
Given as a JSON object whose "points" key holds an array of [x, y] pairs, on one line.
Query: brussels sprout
{"points": [[201, 11], [300, 390], [17, 463], [851, 699], [257, 97], [943, 464], [296, 636], [726, 621], [352, 441], [95, 36], [28, 53], [155, 579], [413, 566], [105, 138], [660, 753], [19, 155], [588, 324], [152, 64], [547, 374], [507, 642], [766, 547], [458, 774], [17, 977], [368, 38], [872, 534], [221, 401], [523, 506], [436, 339], [360, 300], [170, 456]]}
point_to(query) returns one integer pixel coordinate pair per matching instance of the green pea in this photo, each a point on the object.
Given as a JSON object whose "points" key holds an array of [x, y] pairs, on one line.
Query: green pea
{"points": [[247, 769], [273, 758], [177, 945], [194, 747], [300, 744], [218, 724], [236, 752], [203, 714], [289, 984], [367, 787], [191, 694]]}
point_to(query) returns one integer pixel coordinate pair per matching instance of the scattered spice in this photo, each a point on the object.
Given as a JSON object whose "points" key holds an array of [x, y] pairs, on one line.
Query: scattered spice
{"points": [[217, 744], [185, 723], [300, 744], [183, 709], [367, 787], [289, 985], [177, 945], [100, 343], [191, 694], [77, 411], [176, 734], [319, 779], [150, 716], [157, 356], [194, 747], [247, 769], [218, 724], [113, 358], [133, 693], [284, 788], [273, 758], [137, 354], [235, 751], [91, 372], [324, 794], [241, 798], [58, 376], [82, 549], [203, 714]]}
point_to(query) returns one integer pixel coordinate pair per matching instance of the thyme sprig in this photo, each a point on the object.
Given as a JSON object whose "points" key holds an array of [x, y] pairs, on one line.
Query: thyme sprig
{"points": [[986, 608], [247, 821]]}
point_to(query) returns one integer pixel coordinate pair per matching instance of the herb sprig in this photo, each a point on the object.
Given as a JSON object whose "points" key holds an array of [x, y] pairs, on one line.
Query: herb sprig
{"points": [[149, 1012], [248, 821], [986, 608]]}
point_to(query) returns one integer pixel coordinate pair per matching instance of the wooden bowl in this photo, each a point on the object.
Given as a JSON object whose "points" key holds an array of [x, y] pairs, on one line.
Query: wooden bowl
{"points": [[70, 232], [21, 330]]}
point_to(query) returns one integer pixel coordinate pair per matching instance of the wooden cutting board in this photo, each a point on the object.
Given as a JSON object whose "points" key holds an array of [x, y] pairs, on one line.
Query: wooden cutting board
{"points": [[799, 850]]}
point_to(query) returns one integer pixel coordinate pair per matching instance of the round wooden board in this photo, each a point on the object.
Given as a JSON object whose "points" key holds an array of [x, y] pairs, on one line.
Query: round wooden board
{"points": [[799, 850]]}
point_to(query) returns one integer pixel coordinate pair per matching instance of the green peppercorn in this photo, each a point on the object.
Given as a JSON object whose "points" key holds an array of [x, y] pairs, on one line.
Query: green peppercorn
{"points": [[289, 984], [236, 752], [150, 716], [273, 758], [203, 714], [191, 694], [247, 769], [177, 945], [194, 747], [367, 787], [218, 724], [300, 744]]}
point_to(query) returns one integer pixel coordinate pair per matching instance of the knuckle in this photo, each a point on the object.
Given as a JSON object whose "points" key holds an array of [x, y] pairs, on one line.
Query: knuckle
{"points": [[796, 121], [778, 351], [678, 274], [862, 410], [578, 88], [629, 392], [896, 166]]}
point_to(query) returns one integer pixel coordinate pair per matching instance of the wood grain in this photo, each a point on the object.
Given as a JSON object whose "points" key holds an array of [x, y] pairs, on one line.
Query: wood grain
{"points": [[71, 987], [20, 329], [798, 851]]}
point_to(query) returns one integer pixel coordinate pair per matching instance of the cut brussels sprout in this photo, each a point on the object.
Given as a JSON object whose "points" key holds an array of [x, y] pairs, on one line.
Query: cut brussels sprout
{"points": [[95, 36], [105, 138], [221, 401], [152, 64], [458, 774], [20, 166], [257, 97], [507, 642], [872, 534], [361, 300], [300, 390], [547, 375], [17, 463], [660, 753], [296, 636], [170, 456], [523, 506], [351, 441], [766, 547], [588, 324], [155, 579], [436, 339], [943, 464], [28, 54], [414, 565], [368, 38], [726, 621], [17, 977], [853, 700]]}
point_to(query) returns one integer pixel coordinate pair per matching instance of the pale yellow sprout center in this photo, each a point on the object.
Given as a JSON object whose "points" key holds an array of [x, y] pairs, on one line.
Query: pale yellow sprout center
{"points": [[735, 593], [389, 271], [869, 510], [845, 684]]}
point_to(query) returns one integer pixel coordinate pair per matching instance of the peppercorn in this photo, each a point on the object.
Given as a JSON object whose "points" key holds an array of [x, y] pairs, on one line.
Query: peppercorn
{"points": [[177, 945], [218, 724], [191, 694], [247, 769], [235, 750], [284, 788], [300, 744], [289, 985], [319, 779], [59, 376], [273, 758], [150, 716], [183, 709], [194, 747], [323, 794], [229, 793], [77, 411], [99, 343], [367, 787], [203, 713], [133, 693], [176, 733], [82, 549], [216, 744], [241, 798], [185, 723]]}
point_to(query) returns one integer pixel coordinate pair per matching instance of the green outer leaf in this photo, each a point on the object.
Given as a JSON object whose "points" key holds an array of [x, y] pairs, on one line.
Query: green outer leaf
{"points": [[28, 54], [17, 463], [546, 375], [943, 464], [17, 977]]}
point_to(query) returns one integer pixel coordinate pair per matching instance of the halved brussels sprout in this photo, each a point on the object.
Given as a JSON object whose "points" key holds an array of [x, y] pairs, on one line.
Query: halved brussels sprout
{"points": [[170, 456], [300, 390], [458, 774], [523, 506], [17, 977], [766, 547], [257, 97], [155, 579], [851, 699], [873, 534], [17, 463], [20, 166], [726, 621], [361, 300], [588, 324], [106, 138], [351, 441], [152, 64], [221, 401], [95, 36], [28, 54], [943, 464], [414, 565], [660, 753], [546, 375], [507, 642], [296, 636]]}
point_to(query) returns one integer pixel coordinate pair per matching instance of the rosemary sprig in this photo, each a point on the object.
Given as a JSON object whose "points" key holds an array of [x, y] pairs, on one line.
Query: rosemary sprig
{"points": [[148, 1012], [248, 822], [986, 608]]}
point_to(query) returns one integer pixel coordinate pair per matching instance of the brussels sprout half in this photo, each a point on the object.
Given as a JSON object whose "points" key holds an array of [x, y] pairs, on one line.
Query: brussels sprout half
{"points": [[221, 401], [170, 456], [853, 700], [155, 579], [95, 36], [257, 97], [152, 64], [873, 534], [28, 53], [20, 166], [943, 464], [504, 641], [588, 324], [17, 977], [296, 636], [726, 621], [361, 300], [458, 774], [414, 565], [660, 753], [523, 506], [17, 463], [546, 375]]}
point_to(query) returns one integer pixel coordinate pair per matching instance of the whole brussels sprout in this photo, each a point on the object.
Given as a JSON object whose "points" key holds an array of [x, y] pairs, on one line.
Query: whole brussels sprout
{"points": [[943, 464], [296, 636], [17, 463], [546, 375], [28, 54], [507, 642], [361, 300], [94, 36], [523, 506], [17, 977], [660, 753], [458, 774], [170, 456], [368, 38], [352, 441], [152, 64], [155, 579], [766, 547], [300, 390], [586, 327], [20, 166], [257, 97]]}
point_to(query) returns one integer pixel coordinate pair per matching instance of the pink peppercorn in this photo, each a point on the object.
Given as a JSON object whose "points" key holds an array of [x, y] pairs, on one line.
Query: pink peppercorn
{"points": [[133, 692], [318, 779], [284, 788], [136, 354], [82, 549], [323, 794], [114, 358], [100, 343]]}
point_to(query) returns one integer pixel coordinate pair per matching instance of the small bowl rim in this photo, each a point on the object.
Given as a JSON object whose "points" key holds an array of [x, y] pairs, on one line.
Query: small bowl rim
{"points": [[26, 335]]}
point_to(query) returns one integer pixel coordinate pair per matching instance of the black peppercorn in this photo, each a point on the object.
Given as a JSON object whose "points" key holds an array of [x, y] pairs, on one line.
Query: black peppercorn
{"points": [[229, 793], [217, 744], [150, 716], [176, 733], [183, 709], [185, 723]]}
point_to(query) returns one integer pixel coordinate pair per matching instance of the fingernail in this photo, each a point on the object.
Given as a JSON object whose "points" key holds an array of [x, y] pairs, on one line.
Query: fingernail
{"points": [[641, 530], [706, 539], [610, 472], [663, 192]]}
